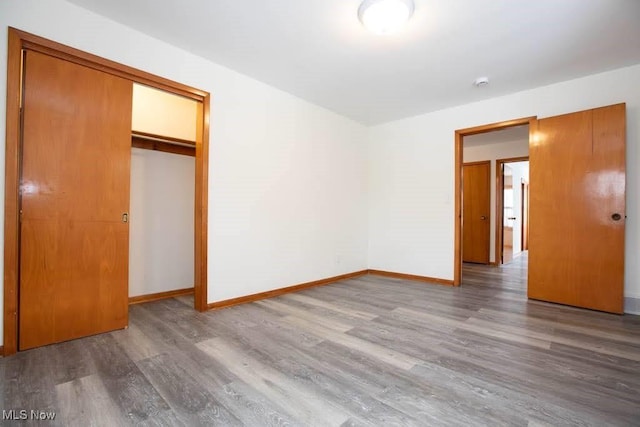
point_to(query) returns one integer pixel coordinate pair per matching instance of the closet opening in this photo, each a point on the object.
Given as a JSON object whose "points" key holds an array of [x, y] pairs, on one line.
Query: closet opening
{"points": [[162, 194]]}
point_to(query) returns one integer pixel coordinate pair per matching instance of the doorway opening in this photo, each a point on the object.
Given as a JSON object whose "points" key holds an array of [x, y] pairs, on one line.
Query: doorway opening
{"points": [[567, 265], [486, 143], [512, 209]]}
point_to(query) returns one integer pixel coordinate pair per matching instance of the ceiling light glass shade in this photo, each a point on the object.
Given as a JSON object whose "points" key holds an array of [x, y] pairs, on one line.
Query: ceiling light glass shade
{"points": [[385, 16]]}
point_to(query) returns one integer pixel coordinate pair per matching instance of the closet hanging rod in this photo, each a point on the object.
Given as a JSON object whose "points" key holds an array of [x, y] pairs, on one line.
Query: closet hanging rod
{"points": [[161, 138]]}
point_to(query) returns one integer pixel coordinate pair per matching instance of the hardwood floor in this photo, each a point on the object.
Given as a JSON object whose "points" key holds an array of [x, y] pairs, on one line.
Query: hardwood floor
{"points": [[365, 351]]}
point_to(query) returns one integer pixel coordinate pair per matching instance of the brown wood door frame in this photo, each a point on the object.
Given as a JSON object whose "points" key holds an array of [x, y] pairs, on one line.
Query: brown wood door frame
{"points": [[484, 162], [20, 40], [500, 202], [457, 211]]}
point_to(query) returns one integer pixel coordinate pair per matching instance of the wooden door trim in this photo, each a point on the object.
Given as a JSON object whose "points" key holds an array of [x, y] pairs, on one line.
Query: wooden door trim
{"points": [[481, 162], [12, 180], [19, 40], [500, 203], [485, 162], [457, 212], [161, 138]]}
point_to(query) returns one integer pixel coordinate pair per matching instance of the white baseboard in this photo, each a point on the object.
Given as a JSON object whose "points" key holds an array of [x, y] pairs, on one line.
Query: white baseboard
{"points": [[632, 305]]}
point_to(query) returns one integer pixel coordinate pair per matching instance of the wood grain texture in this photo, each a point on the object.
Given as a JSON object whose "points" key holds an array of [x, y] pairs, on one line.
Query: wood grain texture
{"points": [[160, 295], [476, 202], [74, 246], [366, 351], [577, 184]]}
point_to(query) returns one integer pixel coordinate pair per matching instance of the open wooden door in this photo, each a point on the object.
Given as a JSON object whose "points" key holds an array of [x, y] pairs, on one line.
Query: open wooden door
{"points": [[577, 209], [74, 201], [475, 207], [508, 215]]}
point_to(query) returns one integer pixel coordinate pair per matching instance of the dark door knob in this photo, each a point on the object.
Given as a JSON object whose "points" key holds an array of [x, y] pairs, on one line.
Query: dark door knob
{"points": [[512, 218], [616, 217], [483, 217]]}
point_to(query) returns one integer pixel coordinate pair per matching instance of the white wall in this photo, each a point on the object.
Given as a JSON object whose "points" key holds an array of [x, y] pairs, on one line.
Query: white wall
{"points": [[287, 179], [503, 150], [411, 171], [161, 221]]}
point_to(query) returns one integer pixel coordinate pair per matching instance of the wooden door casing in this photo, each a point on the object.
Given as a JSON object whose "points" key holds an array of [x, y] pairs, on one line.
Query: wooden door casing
{"points": [[577, 209], [476, 201], [74, 191]]}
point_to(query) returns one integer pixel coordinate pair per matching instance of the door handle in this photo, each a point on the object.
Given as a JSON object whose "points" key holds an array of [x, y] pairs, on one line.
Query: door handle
{"points": [[616, 217], [125, 217], [483, 217], [512, 218]]}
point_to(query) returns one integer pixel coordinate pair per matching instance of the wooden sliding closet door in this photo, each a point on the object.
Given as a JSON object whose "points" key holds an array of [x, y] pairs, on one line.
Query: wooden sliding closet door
{"points": [[577, 209], [74, 238]]}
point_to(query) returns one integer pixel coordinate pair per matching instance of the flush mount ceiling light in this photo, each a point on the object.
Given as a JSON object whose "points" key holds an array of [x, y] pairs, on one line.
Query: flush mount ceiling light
{"points": [[385, 16]]}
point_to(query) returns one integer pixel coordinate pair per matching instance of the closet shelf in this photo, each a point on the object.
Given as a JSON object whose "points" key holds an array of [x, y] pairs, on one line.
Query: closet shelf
{"points": [[161, 138], [147, 141]]}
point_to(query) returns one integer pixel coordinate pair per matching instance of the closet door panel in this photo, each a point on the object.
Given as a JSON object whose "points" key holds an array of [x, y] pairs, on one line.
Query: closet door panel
{"points": [[74, 192]]}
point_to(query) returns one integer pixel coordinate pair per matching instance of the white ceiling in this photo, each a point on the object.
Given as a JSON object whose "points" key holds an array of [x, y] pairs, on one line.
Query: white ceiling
{"points": [[512, 134], [317, 49]]}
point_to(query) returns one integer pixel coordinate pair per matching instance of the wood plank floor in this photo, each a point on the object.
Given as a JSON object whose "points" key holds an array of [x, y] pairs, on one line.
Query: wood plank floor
{"points": [[366, 351]]}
